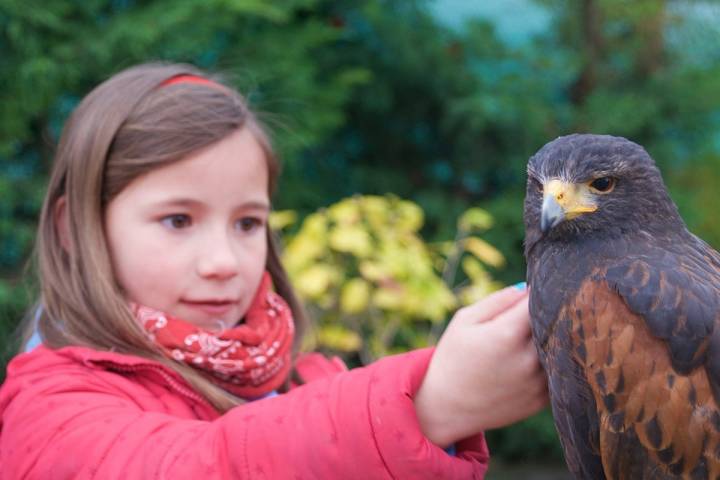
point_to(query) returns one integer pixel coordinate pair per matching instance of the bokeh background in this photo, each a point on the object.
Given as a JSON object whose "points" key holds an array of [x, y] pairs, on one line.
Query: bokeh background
{"points": [[404, 127]]}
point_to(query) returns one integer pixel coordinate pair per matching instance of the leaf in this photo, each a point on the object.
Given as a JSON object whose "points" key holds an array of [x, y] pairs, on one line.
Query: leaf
{"points": [[474, 269], [475, 219], [409, 216], [345, 212], [355, 296], [445, 248], [351, 239], [482, 283], [375, 210], [355, 76], [388, 298], [316, 280], [282, 218], [308, 245], [484, 251], [374, 271], [338, 337], [434, 300]]}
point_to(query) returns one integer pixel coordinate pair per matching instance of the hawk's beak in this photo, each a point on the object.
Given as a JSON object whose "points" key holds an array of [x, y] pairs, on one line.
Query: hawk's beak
{"points": [[552, 213], [564, 201]]}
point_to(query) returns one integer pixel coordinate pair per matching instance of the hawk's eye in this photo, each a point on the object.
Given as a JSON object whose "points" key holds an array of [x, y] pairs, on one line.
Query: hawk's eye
{"points": [[536, 185], [603, 184]]}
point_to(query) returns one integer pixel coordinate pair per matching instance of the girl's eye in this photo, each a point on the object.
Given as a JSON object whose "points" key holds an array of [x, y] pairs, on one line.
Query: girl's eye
{"points": [[603, 184], [177, 221], [248, 224]]}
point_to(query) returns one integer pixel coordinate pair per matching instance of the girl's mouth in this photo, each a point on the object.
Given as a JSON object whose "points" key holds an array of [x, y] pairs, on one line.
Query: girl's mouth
{"points": [[211, 307]]}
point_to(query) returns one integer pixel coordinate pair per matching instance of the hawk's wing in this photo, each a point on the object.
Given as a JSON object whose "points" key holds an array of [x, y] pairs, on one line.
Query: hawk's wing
{"points": [[645, 337], [675, 290]]}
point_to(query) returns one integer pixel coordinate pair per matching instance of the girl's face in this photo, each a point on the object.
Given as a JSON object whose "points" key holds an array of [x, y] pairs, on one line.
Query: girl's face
{"points": [[189, 238]]}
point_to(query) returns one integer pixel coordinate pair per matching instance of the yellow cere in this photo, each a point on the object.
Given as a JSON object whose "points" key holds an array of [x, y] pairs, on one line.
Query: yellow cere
{"points": [[575, 199]]}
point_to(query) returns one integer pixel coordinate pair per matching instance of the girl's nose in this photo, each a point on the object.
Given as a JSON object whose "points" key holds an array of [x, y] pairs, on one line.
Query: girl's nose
{"points": [[218, 259]]}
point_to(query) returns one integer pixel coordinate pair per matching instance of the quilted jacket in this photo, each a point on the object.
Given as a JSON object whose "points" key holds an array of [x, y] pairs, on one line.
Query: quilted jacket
{"points": [[80, 413]]}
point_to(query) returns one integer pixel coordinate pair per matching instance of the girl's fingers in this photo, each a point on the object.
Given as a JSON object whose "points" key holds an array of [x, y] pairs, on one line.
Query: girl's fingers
{"points": [[515, 322], [494, 304]]}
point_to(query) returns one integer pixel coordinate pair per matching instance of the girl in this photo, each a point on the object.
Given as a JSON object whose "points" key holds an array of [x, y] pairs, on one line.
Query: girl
{"points": [[165, 310]]}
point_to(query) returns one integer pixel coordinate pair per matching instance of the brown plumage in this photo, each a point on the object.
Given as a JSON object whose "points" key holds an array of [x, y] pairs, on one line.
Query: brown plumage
{"points": [[625, 305]]}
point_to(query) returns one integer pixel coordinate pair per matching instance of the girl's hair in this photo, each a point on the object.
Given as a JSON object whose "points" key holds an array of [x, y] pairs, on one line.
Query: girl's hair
{"points": [[128, 126]]}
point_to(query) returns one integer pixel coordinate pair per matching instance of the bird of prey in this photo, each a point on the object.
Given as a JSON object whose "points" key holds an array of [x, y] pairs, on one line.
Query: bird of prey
{"points": [[625, 311]]}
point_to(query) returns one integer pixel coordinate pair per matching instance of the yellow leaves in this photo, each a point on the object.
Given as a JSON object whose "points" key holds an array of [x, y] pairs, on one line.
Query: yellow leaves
{"points": [[484, 251], [316, 280], [315, 225], [409, 217], [282, 218], [361, 265], [339, 338], [308, 245], [351, 239], [475, 219], [355, 296], [481, 284], [374, 271], [388, 298], [345, 212], [474, 269], [428, 299], [375, 210]]}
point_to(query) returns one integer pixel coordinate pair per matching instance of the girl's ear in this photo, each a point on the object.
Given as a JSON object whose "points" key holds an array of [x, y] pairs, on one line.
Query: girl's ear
{"points": [[62, 223]]}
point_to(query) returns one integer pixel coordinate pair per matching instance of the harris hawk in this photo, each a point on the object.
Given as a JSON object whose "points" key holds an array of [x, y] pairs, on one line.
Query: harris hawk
{"points": [[624, 305]]}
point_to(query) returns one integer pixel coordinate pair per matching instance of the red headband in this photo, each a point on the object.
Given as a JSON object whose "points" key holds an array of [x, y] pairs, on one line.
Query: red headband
{"points": [[194, 79]]}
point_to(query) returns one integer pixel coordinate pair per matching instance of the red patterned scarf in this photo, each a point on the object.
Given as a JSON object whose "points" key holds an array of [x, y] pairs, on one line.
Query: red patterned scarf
{"points": [[249, 360]]}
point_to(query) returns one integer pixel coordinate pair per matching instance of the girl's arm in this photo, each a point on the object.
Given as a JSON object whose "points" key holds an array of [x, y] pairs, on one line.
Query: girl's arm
{"points": [[73, 422]]}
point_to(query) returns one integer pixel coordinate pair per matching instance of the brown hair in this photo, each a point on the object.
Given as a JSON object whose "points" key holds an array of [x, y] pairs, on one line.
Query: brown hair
{"points": [[124, 128]]}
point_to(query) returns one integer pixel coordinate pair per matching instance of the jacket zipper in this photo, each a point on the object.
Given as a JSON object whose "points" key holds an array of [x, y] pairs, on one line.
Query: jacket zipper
{"points": [[171, 382]]}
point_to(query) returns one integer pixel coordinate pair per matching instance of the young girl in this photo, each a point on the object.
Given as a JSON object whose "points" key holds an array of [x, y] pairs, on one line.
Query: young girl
{"points": [[170, 331]]}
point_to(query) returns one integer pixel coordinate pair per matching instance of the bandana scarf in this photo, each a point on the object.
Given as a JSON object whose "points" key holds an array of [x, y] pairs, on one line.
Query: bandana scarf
{"points": [[249, 360]]}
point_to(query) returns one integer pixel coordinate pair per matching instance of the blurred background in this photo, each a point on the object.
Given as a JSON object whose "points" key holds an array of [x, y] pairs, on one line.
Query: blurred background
{"points": [[404, 128]]}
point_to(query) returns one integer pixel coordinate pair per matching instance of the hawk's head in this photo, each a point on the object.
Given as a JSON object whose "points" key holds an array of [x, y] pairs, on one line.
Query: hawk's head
{"points": [[594, 185]]}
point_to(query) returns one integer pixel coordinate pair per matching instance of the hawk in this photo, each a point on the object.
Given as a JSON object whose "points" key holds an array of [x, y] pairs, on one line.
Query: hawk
{"points": [[625, 312]]}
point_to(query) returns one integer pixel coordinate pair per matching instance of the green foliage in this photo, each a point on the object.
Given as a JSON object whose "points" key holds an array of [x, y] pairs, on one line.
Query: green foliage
{"points": [[53, 52], [373, 284], [439, 115], [695, 192], [531, 439]]}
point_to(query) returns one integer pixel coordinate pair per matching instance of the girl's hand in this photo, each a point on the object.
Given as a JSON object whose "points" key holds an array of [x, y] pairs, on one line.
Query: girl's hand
{"points": [[485, 372]]}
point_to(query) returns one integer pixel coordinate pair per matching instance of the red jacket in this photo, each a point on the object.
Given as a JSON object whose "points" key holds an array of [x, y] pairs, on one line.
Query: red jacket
{"points": [[80, 413]]}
